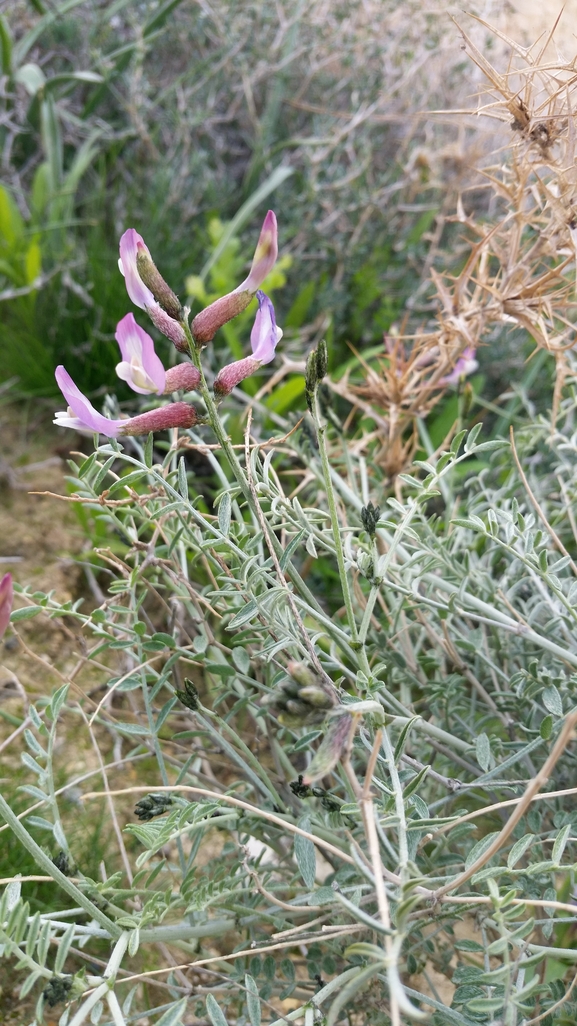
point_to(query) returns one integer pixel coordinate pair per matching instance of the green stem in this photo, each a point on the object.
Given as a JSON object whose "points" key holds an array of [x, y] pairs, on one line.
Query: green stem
{"points": [[321, 429], [50, 869]]}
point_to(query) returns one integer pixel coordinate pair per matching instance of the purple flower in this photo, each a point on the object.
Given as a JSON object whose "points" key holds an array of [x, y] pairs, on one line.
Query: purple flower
{"points": [[265, 334], [81, 413], [131, 244], [264, 257], [82, 416], [264, 338], [6, 598], [465, 365], [140, 367], [208, 321]]}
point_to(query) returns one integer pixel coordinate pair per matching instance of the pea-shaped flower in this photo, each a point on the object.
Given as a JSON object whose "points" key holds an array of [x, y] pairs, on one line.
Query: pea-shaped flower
{"points": [[264, 338]]}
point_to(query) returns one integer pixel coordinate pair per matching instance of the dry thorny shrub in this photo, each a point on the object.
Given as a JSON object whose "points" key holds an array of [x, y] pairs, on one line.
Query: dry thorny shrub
{"points": [[521, 251]]}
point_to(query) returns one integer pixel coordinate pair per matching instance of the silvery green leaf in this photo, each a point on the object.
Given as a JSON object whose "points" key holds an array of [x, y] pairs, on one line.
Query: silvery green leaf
{"points": [[96, 1013], [483, 751], [224, 511], [305, 854], [252, 1000], [214, 1013], [560, 843], [311, 547], [173, 1016], [182, 482], [63, 948], [480, 848], [12, 892], [241, 659], [34, 745], [519, 849], [58, 700], [247, 613], [552, 700]]}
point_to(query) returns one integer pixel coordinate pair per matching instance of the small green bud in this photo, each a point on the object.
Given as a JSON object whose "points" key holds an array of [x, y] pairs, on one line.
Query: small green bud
{"points": [[316, 696], [370, 517], [188, 697], [56, 990], [322, 359], [301, 673], [63, 863], [311, 379], [152, 805]]}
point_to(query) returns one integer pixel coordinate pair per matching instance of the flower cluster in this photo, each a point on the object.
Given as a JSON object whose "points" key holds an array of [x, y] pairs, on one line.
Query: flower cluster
{"points": [[141, 368]]}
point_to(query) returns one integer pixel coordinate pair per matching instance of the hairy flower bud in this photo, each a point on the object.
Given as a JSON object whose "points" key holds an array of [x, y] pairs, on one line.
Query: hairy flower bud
{"points": [[153, 280], [172, 415], [169, 327], [183, 377], [232, 375], [206, 323]]}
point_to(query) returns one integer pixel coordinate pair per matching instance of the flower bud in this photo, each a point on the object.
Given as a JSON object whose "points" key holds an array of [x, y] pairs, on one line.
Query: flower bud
{"points": [[322, 359], [316, 696], [265, 255], [189, 696], [183, 377], [301, 673], [152, 805], [172, 415], [231, 375], [370, 517], [206, 323], [169, 327], [153, 280]]}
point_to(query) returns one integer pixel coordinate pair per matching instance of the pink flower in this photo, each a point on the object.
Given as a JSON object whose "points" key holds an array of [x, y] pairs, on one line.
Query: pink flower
{"points": [[208, 321], [140, 295], [81, 413], [140, 367], [82, 416], [264, 257], [6, 598], [264, 338], [465, 365], [131, 244], [265, 334]]}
